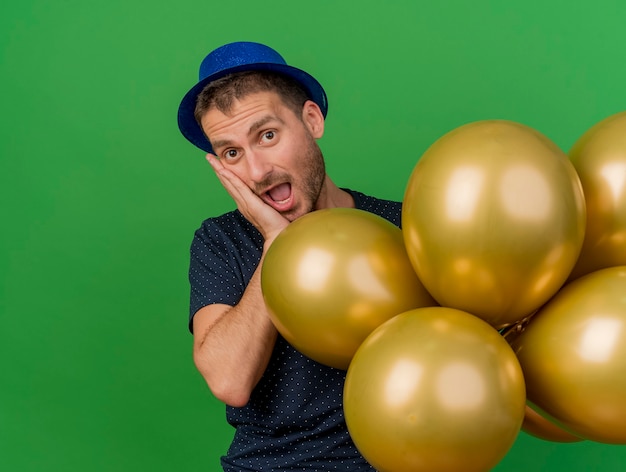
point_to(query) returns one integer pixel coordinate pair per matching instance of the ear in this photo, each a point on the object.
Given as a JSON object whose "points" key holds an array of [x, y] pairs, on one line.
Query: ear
{"points": [[313, 118]]}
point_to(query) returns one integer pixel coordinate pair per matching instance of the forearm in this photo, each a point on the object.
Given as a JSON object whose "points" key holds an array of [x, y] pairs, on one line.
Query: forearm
{"points": [[232, 346]]}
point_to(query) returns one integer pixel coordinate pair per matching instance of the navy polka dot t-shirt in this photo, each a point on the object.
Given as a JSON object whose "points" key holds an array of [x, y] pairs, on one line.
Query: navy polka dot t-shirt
{"points": [[294, 419]]}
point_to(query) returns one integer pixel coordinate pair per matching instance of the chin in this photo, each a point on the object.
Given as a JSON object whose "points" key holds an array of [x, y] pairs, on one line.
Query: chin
{"points": [[294, 214]]}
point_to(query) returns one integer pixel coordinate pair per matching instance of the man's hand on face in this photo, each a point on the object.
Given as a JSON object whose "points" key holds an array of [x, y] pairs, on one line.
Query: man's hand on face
{"points": [[265, 218]]}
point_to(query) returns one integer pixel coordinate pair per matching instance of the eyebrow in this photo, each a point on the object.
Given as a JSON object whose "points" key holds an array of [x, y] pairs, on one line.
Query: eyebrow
{"points": [[221, 143], [262, 122]]}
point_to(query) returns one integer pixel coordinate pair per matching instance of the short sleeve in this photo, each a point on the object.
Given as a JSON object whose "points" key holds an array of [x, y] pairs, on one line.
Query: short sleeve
{"points": [[224, 254]]}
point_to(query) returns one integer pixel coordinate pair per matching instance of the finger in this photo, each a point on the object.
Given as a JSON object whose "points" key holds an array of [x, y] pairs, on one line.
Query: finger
{"points": [[229, 180], [267, 220], [214, 162], [235, 186]]}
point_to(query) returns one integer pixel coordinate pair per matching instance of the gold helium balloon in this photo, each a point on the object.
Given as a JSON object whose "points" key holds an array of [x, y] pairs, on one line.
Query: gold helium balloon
{"points": [[543, 428], [599, 157], [493, 220], [434, 389], [334, 275], [535, 423], [573, 355]]}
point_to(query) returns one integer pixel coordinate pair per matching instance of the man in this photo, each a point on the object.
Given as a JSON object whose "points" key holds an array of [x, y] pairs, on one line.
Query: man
{"points": [[258, 119]]}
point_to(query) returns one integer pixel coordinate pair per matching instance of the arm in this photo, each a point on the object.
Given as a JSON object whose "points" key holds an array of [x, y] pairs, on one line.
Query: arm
{"points": [[233, 345]]}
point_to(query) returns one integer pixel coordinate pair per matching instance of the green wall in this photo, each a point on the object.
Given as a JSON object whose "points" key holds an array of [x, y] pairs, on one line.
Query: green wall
{"points": [[101, 195]]}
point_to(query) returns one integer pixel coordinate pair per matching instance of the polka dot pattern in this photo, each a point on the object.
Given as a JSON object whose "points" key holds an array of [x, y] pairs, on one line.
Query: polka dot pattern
{"points": [[294, 419]]}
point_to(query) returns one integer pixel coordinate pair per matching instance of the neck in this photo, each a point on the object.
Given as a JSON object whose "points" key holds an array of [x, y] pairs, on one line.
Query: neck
{"points": [[332, 196]]}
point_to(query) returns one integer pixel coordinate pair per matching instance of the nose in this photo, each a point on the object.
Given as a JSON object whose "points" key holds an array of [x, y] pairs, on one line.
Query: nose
{"points": [[259, 166]]}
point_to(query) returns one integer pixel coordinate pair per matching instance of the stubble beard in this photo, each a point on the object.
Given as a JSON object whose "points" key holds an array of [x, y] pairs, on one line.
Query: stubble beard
{"points": [[309, 180], [312, 183]]}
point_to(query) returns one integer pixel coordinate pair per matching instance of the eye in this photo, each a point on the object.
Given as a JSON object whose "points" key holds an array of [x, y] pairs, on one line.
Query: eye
{"points": [[268, 136], [230, 154]]}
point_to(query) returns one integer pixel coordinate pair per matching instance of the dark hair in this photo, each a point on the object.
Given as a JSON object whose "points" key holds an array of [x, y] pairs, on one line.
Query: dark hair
{"points": [[221, 93]]}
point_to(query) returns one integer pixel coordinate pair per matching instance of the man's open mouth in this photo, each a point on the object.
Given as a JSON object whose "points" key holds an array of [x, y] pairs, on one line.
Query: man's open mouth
{"points": [[280, 193]]}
